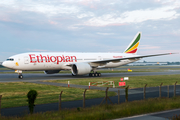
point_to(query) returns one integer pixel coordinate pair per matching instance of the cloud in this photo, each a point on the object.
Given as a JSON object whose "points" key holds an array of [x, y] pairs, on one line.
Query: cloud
{"points": [[37, 50], [49, 9], [149, 47], [161, 51], [67, 24], [55, 12], [176, 32], [86, 14], [136, 16], [105, 33], [53, 23]]}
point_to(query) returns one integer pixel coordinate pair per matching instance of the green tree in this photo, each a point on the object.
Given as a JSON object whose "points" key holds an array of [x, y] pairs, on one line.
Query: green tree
{"points": [[32, 94]]}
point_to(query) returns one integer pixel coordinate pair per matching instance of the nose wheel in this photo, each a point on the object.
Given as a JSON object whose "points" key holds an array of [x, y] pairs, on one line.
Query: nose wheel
{"points": [[20, 76]]}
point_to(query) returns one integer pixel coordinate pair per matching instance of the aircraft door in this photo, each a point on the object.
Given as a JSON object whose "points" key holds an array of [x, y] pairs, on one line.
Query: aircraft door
{"points": [[26, 60]]}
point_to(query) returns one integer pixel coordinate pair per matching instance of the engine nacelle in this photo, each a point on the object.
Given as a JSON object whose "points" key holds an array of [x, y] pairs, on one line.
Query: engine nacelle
{"points": [[51, 71], [81, 69]]}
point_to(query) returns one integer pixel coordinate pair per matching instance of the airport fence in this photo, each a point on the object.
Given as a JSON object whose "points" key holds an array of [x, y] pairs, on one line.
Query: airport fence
{"points": [[123, 95]]}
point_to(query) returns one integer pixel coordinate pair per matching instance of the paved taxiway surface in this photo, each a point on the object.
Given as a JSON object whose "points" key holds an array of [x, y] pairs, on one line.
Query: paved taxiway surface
{"points": [[127, 67], [154, 116], [12, 77]]}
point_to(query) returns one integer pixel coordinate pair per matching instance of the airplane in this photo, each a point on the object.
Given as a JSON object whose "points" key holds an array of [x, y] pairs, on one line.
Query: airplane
{"points": [[77, 63]]}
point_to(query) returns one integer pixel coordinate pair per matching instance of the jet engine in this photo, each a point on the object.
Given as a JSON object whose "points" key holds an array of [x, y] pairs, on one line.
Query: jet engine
{"points": [[81, 69], [51, 71]]}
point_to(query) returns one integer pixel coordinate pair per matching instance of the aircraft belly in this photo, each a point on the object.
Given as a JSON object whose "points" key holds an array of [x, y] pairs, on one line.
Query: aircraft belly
{"points": [[121, 63], [111, 65]]}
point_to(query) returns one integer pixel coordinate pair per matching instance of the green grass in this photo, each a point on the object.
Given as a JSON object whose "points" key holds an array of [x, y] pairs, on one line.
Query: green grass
{"points": [[106, 111], [3, 68], [14, 94], [133, 82]]}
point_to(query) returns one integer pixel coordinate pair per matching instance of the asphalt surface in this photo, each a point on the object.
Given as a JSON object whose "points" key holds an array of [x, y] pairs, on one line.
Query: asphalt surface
{"points": [[127, 67], [154, 116], [12, 77]]}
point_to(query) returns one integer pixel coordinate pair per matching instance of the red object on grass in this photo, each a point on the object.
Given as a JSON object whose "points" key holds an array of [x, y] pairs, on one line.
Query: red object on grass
{"points": [[122, 83]]}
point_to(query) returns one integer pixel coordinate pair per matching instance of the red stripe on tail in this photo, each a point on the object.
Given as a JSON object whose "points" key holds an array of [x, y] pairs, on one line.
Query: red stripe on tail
{"points": [[133, 51]]}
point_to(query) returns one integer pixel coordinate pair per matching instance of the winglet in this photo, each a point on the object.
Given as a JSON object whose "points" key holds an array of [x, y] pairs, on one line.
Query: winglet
{"points": [[133, 46]]}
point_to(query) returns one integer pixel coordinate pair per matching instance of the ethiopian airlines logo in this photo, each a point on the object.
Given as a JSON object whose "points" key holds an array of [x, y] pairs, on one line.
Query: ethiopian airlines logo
{"points": [[17, 64], [40, 58]]}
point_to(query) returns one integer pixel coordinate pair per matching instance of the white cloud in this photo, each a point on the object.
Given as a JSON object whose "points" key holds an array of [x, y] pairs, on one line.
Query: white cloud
{"points": [[176, 32], [147, 47], [69, 8], [53, 10], [87, 14], [72, 22], [105, 33], [136, 16], [50, 9]]}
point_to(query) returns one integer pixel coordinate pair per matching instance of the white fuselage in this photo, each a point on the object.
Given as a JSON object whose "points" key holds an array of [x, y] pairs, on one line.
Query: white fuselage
{"points": [[60, 61]]}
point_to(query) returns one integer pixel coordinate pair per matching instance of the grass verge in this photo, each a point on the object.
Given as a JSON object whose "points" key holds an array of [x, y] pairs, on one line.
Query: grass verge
{"points": [[14, 94], [107, 111], [133, 82]]}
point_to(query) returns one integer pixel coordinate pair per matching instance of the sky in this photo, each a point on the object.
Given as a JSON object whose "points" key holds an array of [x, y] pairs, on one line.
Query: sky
{"points": [[89, 26]]}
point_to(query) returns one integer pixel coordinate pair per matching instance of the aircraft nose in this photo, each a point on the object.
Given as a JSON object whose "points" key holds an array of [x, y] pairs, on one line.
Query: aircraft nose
{"points": [[4, 64]]}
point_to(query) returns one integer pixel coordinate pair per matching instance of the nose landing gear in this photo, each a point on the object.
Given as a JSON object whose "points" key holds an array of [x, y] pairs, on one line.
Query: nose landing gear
{"points": [[21, 76], [19, 73]]}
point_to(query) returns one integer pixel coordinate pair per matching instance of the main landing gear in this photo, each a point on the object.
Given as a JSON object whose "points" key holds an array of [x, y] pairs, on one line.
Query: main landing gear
{"points": [[95, 74]]}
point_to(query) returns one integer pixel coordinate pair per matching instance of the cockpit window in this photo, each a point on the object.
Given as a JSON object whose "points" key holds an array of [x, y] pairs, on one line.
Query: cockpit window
{"points": [[10, 59]]}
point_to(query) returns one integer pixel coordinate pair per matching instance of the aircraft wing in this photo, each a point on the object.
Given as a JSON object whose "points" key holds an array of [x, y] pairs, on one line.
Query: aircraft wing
{"points": [[133, 57], [103, 62]]}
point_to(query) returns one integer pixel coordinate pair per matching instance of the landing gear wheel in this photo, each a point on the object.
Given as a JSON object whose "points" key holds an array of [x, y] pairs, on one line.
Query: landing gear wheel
{"points": [[20, 76], [92, 74], [73, 75]]}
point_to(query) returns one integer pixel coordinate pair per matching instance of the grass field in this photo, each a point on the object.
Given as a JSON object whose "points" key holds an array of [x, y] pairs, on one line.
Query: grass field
{"points": [[14, 94], [133, 82], [106, 111]]}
